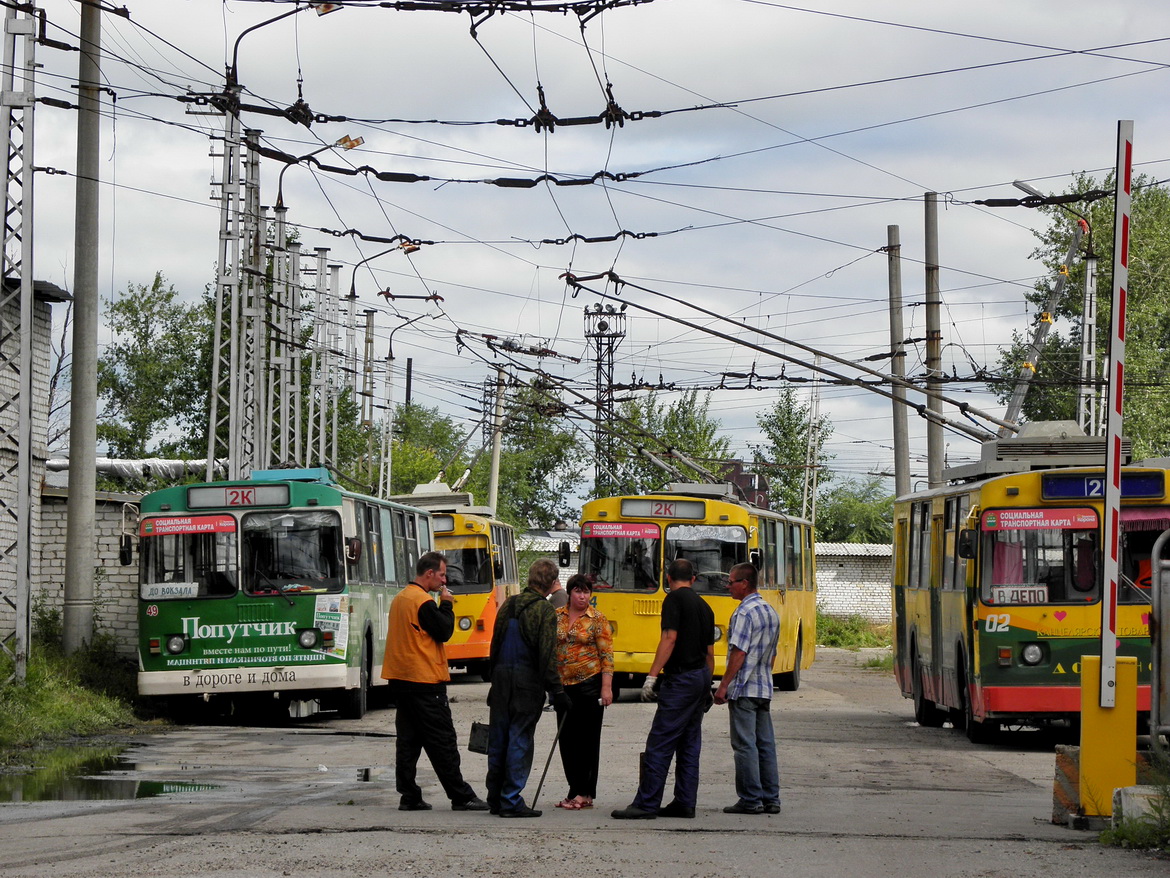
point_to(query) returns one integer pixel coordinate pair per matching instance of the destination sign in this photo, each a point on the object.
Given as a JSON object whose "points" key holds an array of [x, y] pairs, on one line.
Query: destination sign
{"points": [[1088, 486], [646, 507], [220, 496]]}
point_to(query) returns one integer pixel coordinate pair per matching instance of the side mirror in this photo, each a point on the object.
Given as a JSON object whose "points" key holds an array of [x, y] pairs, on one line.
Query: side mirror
{"points": [[754, 558], [125, 550], [967, 542], [353, 549], [564, 553]]}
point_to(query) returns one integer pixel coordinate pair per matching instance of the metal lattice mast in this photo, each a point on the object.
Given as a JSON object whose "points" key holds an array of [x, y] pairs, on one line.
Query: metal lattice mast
{"points": [[294, 360], [605, 329], [277, 438], [249, 347], [16, 340], [226, 286], [337, 362], [314, 436]]}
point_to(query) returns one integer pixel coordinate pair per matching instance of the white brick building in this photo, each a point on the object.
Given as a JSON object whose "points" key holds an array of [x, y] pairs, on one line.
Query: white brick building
{"points": [[853, 579]]}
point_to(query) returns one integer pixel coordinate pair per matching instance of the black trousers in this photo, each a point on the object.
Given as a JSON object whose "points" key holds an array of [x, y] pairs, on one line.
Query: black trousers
{"points": [[580, 741], [423, 722]]}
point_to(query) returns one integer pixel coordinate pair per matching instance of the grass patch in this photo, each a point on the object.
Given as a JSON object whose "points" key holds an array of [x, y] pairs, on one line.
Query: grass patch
{"points": [[1150, 832], [63, 697], [883, 663], [850, 632]]}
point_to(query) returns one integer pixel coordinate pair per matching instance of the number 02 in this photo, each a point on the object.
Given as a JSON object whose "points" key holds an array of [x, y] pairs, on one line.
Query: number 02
{"points": [[998, 623]]}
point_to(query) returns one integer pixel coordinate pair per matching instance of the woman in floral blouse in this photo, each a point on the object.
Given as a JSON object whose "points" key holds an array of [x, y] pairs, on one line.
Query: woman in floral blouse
{"points": [[585, 661]]}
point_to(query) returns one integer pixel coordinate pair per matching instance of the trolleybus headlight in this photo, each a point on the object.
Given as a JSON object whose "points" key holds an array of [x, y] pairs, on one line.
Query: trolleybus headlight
{"points": [[718, 633], [307, 638], [176, 643], [464, 623], [1032, 654]]}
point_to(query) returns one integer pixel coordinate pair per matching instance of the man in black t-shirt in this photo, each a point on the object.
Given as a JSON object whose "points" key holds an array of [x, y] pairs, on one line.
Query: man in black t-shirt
{"points": [[686, 654]]}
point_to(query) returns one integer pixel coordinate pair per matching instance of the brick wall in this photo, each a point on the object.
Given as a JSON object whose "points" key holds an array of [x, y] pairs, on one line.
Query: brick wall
{"points": [[853, 579], [115, 586]]}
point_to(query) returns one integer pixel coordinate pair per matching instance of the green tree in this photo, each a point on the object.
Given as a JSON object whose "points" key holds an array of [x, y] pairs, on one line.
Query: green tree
{"points": [[783, 457], [856, 512], [684, 425], [1147, 402], [153, 377]]}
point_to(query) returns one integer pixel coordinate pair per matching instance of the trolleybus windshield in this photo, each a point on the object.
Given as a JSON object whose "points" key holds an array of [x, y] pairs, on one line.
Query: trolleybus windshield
{"points": [[293, 551], [1040, 556], [713, 548], [188, 556], [622, 556], [469, 569]]}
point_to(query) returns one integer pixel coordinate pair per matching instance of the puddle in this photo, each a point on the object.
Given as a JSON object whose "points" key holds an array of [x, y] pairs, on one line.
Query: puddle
{"points": [[73, 774]]}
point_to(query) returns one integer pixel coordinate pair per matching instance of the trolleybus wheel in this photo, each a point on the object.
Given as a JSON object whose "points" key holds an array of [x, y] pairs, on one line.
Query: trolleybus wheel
{"points": [[790, 681], [926, 713], [977, 732], [356, 701]]}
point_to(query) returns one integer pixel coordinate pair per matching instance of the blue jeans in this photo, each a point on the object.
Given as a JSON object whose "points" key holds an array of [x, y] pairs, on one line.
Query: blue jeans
{"points": [[677, 731], [515, 702], [753, 742]]}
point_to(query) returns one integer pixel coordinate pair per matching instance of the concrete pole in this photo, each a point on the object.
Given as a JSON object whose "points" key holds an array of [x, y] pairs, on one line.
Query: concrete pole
{"points": [[934, 432], [497, 429], [80, 552], [898, 363]]}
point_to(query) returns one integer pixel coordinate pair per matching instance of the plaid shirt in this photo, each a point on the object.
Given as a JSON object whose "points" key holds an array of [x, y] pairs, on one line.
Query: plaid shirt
{"points": [[754, 628], [585, 649]]}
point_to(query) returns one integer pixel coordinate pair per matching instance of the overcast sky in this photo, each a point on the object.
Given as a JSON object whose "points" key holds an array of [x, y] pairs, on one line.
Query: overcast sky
{"points": [[771, 208]]}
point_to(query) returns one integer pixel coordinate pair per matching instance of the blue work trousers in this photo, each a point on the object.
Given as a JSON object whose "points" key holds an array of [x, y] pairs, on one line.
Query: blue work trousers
{"points": [[677, 732], [753, 742]]}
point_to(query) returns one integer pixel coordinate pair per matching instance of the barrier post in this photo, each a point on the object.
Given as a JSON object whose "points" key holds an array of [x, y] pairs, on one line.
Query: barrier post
{"points": [[1108, 735]]}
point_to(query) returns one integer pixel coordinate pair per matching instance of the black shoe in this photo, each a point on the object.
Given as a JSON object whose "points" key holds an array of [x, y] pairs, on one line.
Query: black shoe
{"points": [[522, 811], [413, 805], [633, 813], [772, 808], [741, 808], [473, 804], [674, 809]]}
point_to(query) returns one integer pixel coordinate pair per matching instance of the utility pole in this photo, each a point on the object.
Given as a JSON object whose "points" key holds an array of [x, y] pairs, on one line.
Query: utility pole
{"points": [[77, 611], [898, 363], [934, 430]]}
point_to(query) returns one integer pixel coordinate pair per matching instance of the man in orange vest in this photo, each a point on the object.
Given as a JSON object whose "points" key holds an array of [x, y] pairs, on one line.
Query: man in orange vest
{"points": [[416, 666]]}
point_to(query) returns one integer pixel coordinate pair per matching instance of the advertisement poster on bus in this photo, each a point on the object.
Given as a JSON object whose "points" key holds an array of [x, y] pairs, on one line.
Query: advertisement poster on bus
{"points": [[1040, 519], [618, 529], [187, 524], [332, 614]]}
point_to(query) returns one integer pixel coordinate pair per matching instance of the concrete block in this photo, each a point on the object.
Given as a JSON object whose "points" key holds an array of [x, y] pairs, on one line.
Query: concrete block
{"points": [[1134, 803]]}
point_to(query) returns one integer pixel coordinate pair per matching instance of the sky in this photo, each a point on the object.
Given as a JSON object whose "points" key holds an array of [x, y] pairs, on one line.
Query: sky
{"points": [[767, 148]]}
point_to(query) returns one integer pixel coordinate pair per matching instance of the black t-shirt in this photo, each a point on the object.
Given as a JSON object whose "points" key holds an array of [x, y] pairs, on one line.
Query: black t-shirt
{"points": [[685, 612]]}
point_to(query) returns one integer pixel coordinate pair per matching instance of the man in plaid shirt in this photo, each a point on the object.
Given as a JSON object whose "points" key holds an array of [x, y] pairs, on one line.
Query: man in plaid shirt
{"points": [[746, 689]]}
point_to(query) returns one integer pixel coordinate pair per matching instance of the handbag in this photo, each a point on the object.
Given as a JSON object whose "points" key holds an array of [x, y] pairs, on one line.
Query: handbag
{"points": [[478, 742]]}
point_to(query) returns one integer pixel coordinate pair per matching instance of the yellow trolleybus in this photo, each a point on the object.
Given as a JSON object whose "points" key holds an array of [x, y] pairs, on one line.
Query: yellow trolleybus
{"points": [[996, 588], [627, 543], [481, 569]]}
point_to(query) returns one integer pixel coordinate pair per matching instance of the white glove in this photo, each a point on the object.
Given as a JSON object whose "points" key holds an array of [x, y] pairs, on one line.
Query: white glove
{"points": [[648, 693]]}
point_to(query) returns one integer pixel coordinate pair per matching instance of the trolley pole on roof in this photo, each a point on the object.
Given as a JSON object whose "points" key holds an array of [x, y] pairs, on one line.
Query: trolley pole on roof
{"points": [[1113, 422]]}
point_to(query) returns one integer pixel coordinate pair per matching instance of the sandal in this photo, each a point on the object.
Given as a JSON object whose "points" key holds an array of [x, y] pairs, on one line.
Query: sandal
{"points": [[582, 804], [569, 805]]}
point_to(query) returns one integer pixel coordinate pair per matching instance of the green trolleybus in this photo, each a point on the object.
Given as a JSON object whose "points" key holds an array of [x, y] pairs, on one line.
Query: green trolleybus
{"points": [[273, 588]]}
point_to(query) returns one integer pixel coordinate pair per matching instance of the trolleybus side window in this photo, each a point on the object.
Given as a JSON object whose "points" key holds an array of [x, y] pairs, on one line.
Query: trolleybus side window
{"points": [[767, 536], [372, 550], [391, 571], [795, 566], [713, 548]]}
